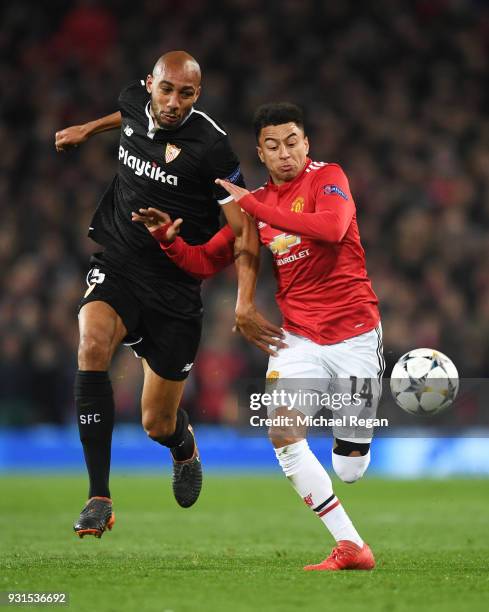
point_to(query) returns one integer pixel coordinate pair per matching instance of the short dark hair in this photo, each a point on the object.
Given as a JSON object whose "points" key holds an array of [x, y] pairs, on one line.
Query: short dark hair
{"points": [[277, 113]]}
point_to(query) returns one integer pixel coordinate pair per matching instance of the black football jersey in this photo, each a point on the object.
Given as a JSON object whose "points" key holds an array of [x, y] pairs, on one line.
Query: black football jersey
{"points": [[173, 170]]}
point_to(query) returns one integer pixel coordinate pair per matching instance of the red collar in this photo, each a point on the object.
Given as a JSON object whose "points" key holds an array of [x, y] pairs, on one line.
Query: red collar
{"points": [[289, 184]]}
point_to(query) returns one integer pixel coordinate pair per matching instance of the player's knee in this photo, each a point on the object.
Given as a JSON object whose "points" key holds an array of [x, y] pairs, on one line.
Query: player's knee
{"points": [[160, 429], [167, 429], [350, 460], [279, 439], [94, 352]]}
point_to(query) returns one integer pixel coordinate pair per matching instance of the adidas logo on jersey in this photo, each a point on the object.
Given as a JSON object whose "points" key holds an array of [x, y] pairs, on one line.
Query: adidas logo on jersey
{"points": [[149, 169]]}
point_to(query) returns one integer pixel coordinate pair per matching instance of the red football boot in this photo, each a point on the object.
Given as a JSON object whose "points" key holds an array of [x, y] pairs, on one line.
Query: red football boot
{"points": [[346, 555]]}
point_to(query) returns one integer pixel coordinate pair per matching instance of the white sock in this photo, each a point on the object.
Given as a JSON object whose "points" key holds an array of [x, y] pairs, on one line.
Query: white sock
{"points": [[350, 469], [312, 483]]}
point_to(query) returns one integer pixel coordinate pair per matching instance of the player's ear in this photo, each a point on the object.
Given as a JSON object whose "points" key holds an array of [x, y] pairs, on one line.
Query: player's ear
{"points": [[306, 144], [197, 93], [260, 153], [149, 83]]}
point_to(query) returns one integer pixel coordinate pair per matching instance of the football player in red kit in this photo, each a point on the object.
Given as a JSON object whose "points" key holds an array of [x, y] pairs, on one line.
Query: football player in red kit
{"points": [[305, 215]]}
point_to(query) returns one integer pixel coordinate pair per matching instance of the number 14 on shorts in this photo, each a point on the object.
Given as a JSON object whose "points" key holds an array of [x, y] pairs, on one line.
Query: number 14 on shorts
{"points": [[364, 392]]}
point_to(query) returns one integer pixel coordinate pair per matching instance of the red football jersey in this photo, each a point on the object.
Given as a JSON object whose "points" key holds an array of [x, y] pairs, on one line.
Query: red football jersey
{"points": [[310, 226]]}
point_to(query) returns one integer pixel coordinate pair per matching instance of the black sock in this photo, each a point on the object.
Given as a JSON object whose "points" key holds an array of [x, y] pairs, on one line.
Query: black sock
{"points": [[185, 449], [94, 402], [181, 443]]}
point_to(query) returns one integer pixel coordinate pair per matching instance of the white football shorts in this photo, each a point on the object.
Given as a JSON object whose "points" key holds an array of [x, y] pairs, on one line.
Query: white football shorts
{"points": [[345, 378]]}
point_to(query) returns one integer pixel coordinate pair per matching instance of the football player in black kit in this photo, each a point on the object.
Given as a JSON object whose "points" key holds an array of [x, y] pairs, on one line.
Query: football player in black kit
{"points": [[169, 157]]}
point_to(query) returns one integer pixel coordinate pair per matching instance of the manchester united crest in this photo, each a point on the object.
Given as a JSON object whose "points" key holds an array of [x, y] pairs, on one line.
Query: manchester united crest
{"points": [[298, 205], [171, 152]]}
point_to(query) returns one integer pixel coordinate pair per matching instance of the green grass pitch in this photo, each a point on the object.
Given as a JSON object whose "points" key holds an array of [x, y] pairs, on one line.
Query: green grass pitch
{"points": [[243, 546]]}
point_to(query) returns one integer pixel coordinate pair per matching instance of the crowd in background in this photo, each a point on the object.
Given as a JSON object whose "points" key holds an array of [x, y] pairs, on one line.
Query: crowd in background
{"points": [[395, 92]]}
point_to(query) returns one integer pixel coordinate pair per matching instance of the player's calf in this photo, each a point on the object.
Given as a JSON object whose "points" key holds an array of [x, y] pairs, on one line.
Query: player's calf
{"points": [[313, 484], [350, 459]]}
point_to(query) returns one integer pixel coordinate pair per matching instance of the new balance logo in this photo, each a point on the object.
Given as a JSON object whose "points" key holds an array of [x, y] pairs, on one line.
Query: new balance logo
{"points": [[187, 367], [128, 131]]}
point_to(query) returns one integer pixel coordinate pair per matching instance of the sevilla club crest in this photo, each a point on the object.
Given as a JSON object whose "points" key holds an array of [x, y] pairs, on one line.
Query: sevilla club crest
{"points": [[171, 152]]}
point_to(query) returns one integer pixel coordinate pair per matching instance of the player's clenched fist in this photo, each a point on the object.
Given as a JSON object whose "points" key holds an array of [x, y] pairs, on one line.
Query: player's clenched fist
{"points": [[70, 137], [158, 221]]}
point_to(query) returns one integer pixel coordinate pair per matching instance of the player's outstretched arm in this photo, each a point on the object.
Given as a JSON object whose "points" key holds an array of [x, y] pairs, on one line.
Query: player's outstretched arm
{"points": [[325, 225], [201, 261], [329, 223], [77, 134]]}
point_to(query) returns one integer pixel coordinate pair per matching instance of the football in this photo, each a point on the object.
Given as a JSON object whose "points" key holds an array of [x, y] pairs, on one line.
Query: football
{"points": [[424, 382]]}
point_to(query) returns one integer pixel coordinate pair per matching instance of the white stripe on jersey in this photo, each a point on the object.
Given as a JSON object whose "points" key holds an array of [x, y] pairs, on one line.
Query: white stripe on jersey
{"points": [[209, 120], [152, 128], [315, 166]]}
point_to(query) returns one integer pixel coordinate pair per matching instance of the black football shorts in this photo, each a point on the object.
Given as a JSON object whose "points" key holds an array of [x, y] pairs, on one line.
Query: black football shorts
{"points": [[156, 330]]}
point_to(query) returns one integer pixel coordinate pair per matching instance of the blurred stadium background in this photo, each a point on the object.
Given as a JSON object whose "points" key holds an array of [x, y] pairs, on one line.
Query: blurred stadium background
{"points": [[395, 92]]}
